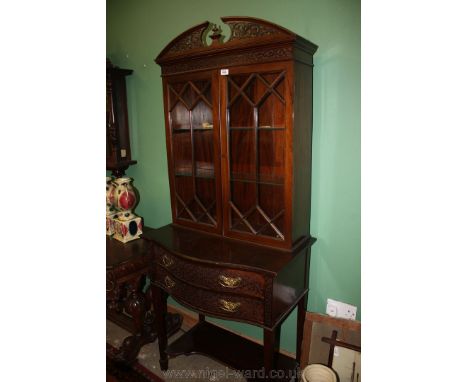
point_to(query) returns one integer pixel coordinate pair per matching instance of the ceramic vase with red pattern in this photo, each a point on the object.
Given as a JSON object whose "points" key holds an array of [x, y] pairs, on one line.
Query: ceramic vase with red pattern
{"points": [[127, 225], [124, 198], [111, 212], [110, 187]]}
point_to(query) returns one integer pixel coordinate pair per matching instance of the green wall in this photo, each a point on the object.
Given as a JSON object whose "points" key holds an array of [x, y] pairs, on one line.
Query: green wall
{"points": [[138, 30]]}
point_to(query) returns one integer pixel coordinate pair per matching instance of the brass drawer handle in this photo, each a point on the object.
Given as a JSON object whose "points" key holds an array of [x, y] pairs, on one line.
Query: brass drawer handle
{"points": [[229, 282], [229, 306], [169, 282], [167, 261]]}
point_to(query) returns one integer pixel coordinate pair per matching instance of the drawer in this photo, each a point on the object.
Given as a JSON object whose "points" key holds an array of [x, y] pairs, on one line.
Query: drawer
{"points": [[218, 304], [220, 279]]}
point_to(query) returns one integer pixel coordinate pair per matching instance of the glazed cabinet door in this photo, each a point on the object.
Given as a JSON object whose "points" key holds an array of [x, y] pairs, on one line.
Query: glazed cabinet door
{"points": [[256, 134], [192, 132]]}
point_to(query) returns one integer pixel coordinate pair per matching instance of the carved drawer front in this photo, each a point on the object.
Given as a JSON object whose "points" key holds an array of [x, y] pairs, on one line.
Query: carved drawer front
{"points": [[214, 278], [218, 304]]}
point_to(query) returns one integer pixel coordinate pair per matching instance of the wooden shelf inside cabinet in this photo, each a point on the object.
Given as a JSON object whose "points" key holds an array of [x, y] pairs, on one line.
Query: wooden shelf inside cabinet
{"points": [[266, 128], [188, 130], [260, 179], [200, 171]]}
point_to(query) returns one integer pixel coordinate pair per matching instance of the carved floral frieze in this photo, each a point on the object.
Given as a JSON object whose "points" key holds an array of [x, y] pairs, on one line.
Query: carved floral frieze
{"points": [[270, 54]]}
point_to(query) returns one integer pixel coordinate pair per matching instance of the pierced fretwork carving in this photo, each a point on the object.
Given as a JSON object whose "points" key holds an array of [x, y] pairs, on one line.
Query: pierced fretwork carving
{"points": [[192, 39], [244, 30]]}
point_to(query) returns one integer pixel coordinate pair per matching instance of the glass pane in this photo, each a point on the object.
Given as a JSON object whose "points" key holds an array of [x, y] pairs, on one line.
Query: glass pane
{"points": [[243, 204], [206, 195], [182, 153], [240, 101], [271, 156], [191, 121], [256, 152], [271, 108], [203, 153], [179, 117], [184, 197], [271, 205], [202, 116], [242, 154], [174, 90], [203, 88]]}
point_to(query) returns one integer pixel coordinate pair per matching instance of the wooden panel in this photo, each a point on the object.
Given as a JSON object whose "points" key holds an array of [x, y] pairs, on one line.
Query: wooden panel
{"points": [[290, 285], [220, 305], [210, 249], [220, 279], [302, 151]]}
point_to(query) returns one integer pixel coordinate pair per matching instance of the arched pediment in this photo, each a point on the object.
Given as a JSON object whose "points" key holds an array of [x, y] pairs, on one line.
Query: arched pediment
{"points": [[245, 31]]}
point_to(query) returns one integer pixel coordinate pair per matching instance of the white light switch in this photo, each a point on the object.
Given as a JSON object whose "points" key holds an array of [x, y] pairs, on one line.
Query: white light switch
{"points": [[331, 310], [341, 310]]}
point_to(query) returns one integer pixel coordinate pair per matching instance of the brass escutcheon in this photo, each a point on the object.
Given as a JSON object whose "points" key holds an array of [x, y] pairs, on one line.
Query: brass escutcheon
{"points": [[169, 282], [167, 261], [229, 306], [229, 282]]}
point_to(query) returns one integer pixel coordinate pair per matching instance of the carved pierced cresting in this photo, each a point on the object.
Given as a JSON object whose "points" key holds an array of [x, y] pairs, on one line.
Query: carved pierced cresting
{"points": [[189, 42], [242, 30]]}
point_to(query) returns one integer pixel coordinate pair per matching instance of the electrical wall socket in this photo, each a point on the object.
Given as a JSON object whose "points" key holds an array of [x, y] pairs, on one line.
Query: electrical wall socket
{"points": [[341, 310]]}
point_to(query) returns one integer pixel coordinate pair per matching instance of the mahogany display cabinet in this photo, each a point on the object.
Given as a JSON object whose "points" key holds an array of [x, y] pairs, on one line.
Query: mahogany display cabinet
{"points": [[238, 119]]}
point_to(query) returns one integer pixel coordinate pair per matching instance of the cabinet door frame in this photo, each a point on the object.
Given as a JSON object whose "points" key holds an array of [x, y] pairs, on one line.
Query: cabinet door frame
{"points": [[286, 66], [202, 75]]}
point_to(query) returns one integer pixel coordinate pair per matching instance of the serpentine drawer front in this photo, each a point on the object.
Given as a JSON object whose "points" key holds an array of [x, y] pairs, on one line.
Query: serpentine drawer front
{"points": [[220, 279], [220, 304]]}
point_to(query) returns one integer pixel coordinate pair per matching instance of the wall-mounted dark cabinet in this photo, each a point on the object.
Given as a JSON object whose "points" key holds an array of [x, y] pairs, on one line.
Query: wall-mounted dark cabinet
{"points": [[118, 153]]}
